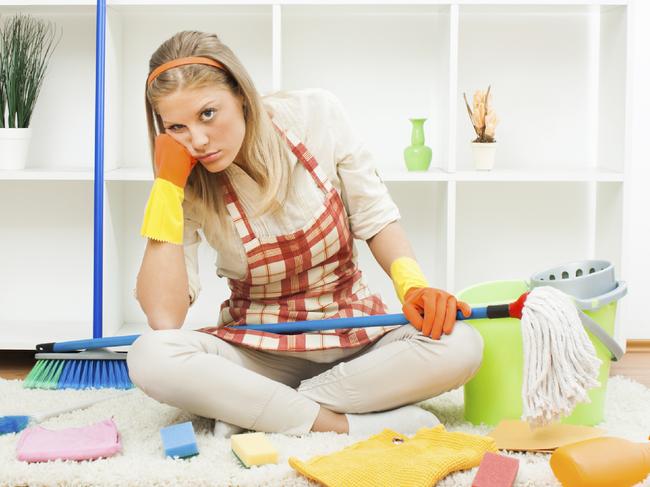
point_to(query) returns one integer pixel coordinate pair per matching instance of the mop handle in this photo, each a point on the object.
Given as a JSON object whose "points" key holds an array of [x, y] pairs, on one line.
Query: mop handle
{"points": [[362, 321], [511, 310], [491, 311]]}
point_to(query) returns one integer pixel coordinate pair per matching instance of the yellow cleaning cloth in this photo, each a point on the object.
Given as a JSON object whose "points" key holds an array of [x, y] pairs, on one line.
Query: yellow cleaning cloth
{"points": [[390, 458], [406, 273], [163, 216]]}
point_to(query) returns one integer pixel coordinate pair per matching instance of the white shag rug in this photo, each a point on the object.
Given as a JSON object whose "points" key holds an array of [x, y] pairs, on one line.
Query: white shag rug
{"points": [[142, 462]]}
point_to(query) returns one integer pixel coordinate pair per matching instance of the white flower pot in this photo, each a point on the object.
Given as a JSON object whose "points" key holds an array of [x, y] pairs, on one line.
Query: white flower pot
{"points": [[484, 153], [14, 145]]}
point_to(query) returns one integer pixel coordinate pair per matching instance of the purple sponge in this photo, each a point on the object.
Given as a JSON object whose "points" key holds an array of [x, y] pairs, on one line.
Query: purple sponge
{"points": [[496, 471]]}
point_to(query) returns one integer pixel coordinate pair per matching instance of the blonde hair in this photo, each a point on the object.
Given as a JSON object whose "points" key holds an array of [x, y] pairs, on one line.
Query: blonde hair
{"points": [[265, 155]]}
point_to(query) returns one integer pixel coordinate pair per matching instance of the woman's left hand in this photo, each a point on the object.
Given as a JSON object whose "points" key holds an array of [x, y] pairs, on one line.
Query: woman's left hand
{"points": [[433, 311]]}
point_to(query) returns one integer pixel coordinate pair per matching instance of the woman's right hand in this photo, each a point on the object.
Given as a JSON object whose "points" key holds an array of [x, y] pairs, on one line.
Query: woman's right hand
{"points": [[163, 216], [173, 161]]}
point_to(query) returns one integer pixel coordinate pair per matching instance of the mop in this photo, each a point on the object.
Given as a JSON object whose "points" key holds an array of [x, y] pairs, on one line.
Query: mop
{"points": [[560, 362]]}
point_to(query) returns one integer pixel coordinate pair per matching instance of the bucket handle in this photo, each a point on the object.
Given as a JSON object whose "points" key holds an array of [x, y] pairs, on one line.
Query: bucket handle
{"points": [[594, 303], [600, 333]]}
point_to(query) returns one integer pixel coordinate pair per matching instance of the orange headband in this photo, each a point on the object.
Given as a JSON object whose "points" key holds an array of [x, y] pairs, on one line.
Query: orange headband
{"points": [[180, 62]]}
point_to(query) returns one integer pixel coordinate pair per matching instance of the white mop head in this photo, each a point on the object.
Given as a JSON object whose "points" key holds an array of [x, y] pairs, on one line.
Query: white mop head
{"points": [[560, 362]]}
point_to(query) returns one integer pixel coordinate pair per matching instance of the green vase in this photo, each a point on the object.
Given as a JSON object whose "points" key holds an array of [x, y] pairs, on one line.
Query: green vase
{"points": [[417, 155]]}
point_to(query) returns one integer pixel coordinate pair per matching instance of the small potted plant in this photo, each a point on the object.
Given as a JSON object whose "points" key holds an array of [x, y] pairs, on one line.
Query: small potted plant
{"points": [[484, 120], [26, 45]]}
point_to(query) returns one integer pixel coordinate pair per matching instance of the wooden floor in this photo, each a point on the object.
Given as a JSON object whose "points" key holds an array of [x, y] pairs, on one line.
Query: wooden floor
{"points": [[15, 364], [635, 364]]}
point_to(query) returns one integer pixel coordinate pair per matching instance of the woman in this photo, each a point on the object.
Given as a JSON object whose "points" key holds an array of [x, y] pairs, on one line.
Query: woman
{"points": [[280, 187]]}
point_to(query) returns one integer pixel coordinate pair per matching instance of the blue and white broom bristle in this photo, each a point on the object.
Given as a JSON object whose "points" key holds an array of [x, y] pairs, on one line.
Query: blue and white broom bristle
{"points": [[82, 370]]}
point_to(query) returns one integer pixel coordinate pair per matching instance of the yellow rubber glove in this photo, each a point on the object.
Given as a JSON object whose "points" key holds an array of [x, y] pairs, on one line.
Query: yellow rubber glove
{"points": [[406, 273], [430, 310], [163, 215]]}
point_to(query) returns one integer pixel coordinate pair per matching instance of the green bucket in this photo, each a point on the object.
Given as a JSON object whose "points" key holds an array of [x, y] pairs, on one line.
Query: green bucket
{"points": [[494, 393]]}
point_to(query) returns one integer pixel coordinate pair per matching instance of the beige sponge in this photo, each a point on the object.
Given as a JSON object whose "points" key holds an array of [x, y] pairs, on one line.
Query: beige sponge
{"points": [[253, 449]]}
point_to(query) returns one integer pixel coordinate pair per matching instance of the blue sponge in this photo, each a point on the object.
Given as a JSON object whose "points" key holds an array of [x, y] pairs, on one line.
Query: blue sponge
{"points": [[179, 440]]}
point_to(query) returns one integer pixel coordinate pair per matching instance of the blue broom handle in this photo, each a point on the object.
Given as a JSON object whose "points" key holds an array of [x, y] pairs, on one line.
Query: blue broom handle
{"points": [[289, 327], [89, 344], [98, 254]]}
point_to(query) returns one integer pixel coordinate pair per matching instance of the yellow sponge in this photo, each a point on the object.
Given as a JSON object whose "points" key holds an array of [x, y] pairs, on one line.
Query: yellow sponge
{"points": [[253, 449]]}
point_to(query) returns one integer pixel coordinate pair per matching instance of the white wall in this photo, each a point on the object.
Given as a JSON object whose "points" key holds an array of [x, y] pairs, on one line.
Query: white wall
{"points": [[636, 268]]}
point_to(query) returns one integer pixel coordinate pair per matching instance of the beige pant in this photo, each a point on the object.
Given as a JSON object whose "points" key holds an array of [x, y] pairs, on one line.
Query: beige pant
{"points": [[283, 391]]}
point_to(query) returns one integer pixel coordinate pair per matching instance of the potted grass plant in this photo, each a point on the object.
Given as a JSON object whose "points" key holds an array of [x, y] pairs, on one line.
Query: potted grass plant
{"points": [[484, 120], [26, 46]]}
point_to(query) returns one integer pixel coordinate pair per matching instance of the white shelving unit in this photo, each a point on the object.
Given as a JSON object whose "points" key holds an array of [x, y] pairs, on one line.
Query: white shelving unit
{"points": [[558, 72]]}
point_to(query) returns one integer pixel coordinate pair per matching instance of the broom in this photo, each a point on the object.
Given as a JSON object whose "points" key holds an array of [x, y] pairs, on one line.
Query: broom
{"points": [[99, 369]]}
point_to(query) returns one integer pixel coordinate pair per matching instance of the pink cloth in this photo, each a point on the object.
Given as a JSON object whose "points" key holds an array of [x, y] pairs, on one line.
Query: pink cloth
{"points": [[37, 444]]}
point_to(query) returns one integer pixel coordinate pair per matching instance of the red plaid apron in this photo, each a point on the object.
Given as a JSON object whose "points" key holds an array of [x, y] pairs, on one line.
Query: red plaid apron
{"points": [[309, 274]]}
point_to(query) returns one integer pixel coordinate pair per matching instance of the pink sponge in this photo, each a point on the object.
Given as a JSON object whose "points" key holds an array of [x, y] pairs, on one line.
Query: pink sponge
{"points": [[496, 471]]}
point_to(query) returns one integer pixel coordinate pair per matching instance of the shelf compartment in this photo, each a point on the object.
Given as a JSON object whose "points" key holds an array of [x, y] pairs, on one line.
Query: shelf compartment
{"points": [[347, 48], [62, 122], [511, 231], [46, 258], [547, 66]]}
